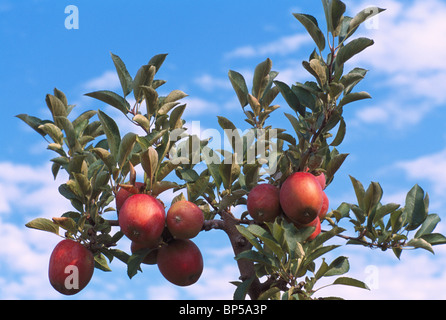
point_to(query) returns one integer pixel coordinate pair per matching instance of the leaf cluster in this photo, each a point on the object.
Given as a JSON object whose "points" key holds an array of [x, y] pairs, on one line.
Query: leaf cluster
{"points": [[389, 226]]}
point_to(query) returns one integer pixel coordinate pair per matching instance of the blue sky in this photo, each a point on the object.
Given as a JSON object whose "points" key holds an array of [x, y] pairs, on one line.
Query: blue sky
{"points": [[397, 138]]}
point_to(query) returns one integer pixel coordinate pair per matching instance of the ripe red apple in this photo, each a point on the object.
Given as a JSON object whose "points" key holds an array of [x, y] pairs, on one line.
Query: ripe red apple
{"points": [[142, 218], [151, 256], [263, 203], [184, 219], [321, 179], [301, 197], [123, 195], [71, 267], [324, 209], [180, 262], [315, 223]]}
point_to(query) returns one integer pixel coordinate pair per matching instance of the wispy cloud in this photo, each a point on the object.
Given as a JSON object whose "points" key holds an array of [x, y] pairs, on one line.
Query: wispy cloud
{"points": [[407, 55], [282, 46], [107, 81]]}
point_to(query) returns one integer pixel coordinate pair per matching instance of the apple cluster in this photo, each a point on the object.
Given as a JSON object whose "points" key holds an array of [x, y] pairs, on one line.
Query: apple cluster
{"points": [[143, 220], [301, 199]]}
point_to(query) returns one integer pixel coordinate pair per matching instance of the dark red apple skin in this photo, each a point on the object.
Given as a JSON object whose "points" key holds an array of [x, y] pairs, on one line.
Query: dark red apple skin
{"points": [[184, 220], [322, 180], [301, 197], [122, 195], [142, 218], [263, 203], [151, 256], [324, 209], [180, 262], [70, 260]]}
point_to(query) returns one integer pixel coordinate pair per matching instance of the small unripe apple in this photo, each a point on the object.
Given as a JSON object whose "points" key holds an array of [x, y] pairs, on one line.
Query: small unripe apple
{"points": [[71, 267], [184, 219], [180, 262], [123, 195], [324, 209], [142, 218], [263, 203], [150, 258], [301, 197]]}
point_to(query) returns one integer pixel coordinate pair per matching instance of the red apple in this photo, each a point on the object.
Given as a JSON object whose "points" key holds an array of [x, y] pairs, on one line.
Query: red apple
{"points": [[71, 267], [123, 195], [321, 179], [324, 209], [180, 262], [184, 219], [301, 197], [151, 256], [315, 223], [142, 218], [263, 203]]}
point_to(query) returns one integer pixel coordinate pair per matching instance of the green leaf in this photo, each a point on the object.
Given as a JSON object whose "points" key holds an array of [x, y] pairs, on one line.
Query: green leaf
{"points": [[290, 97], [362, 16], [157, 61], [175, 95], [175, 121], [340, 135], [84, 184], [57, 108], [420, 243], [142, 121], [135, 260], [242, 289], [43, 225], [261, 78], [351, 282], [124, 76], [100, 262], [126, 147], [53, 131], [428, 225], [351, 49], [70, 133], [112, 133], [240, 87], [151, 97], [144, 77], [415, 208], [434, 238], [351, 79], [33, 122], [311, 25], [111, 98], [197, 188], [250, 237], [359, 191], [338, 267], [352, 97], [337, 10], [149, 162], [267, 239], [372, 197]]}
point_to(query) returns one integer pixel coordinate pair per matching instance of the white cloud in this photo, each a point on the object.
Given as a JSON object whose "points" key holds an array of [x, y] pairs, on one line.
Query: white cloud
{"points": [[428, 167], [407, 55], [107, 81], [211, 83], [197, 106], [283, 46]]}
